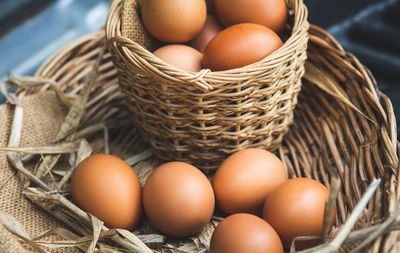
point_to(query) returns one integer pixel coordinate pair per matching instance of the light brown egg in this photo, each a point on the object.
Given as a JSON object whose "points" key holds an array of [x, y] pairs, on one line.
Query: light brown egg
{"points": [[244, 179], [180, 56], [107, 187], [296, 208], [270, 13], [240, 45], [244, 232], [173, 21], [178, 199], [211, 28]]}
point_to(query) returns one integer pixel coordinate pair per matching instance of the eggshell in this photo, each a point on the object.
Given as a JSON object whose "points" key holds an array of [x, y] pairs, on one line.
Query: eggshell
{"points": [[178, 199], [173, 21], [180, 56], [240, 45], [296, 208], [107, 187], [245, 233], [211, 28], [244, 179], [270, 13]]}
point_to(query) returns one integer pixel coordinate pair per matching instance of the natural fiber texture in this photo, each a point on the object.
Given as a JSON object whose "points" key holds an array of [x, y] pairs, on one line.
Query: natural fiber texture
{"points": [[9, 243], [344, 128], [330, 139], [42, 118], [69, 66], [131, 23], [203, 117]]}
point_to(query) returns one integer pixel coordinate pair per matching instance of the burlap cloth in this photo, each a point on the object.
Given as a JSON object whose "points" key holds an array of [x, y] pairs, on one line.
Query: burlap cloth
{"points": [[43, 115]]}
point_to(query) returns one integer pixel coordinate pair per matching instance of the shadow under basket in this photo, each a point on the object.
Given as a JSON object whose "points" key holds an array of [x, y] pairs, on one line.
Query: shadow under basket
{"points": [[203, 117]]}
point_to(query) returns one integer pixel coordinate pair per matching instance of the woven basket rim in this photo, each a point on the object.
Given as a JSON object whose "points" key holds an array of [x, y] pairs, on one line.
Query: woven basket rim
{"points": [[133, 50]]}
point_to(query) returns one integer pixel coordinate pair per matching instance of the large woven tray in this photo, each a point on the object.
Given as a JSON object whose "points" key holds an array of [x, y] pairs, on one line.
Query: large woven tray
{"points": [[344, 128]]}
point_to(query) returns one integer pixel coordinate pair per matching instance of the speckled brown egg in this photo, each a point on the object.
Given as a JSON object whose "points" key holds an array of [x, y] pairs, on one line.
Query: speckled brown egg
{"points": [[173, 21], [270, 13], [107, 187], [296, 208], [244, 232], [244, 179], [240, 45], [178, 199]]}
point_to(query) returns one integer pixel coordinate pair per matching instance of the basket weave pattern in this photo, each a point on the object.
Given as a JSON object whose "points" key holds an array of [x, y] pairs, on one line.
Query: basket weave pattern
{"points": [[202, 117]]}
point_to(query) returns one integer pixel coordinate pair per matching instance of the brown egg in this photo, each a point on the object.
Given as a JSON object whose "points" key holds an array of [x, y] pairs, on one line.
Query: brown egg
{"points": [[173, 21], [240, 45], [296, 208], [270, 13], [244, 179], [180, 56], [178, 199], [107, 187], [210, 29], [243, 232]]}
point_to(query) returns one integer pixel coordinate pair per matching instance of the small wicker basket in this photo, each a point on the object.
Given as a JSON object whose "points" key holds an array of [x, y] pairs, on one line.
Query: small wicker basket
{"points": [[203, 117]]}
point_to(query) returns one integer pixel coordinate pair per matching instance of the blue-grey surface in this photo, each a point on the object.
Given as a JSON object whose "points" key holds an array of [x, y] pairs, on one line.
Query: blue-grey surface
{"points": [[26, 46], [9, 6], [371, 31]]}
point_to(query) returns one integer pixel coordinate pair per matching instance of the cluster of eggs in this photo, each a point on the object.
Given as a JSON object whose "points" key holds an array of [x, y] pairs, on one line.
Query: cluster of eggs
{"points": [[240, 33], [251, 187]]}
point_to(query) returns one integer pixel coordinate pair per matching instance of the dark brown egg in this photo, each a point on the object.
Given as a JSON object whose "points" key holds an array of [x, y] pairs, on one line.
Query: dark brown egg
{"points": [[244, 232], [178, 199], [107, 187], [240, 45], [244, 179], [296, 208], [270, 13]]}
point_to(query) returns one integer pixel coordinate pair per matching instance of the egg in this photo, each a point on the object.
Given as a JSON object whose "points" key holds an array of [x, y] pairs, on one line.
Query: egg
{"points": [[243, 180], [243, 232], [211, 28], [180, 56], [178, 199], [296, 208], [173, 21], [270, 13], [240, 45], [108, 188]]}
